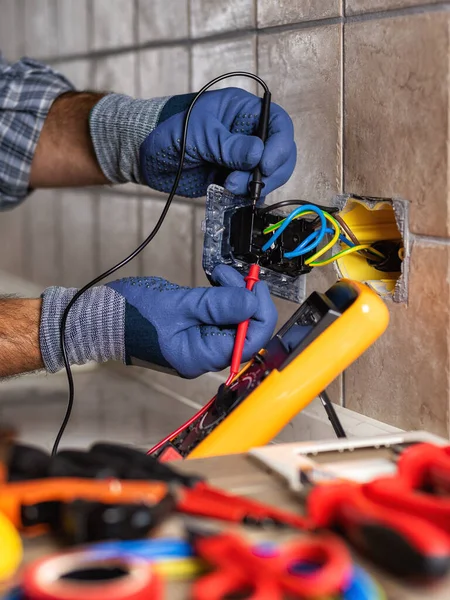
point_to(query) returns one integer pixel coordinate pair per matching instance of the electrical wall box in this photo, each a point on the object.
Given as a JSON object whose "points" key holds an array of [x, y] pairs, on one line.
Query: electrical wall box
{"points": [[234, 236], [384, 224]]}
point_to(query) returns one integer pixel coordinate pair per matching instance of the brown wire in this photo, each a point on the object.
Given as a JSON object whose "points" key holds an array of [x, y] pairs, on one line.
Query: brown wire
{"points": [[352, 236], [347, 229]]}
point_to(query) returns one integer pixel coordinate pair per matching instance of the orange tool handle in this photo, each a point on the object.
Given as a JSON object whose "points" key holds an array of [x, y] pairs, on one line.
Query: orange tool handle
{"points": [[251, 279], [17, 494]]}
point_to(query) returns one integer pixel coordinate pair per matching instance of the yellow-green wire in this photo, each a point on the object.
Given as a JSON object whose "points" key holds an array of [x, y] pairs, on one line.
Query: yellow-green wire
{"points": [[346, 252], [275, 226], [311, 261], [331, 243]]}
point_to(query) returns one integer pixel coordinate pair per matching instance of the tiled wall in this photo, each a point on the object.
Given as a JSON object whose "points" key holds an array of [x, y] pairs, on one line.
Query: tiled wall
{"points": [[366, 83]]}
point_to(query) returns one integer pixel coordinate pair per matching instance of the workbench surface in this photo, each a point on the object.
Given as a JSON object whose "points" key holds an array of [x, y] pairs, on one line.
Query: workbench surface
{"points": [[242, 475]]}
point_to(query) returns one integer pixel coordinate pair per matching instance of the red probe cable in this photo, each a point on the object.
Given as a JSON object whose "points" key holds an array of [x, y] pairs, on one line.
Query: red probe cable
{"points": [[241, 334], [251, 279]]}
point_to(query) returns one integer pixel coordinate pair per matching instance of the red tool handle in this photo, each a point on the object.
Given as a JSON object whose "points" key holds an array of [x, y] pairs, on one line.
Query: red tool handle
{"points": [[403, 544], [251, 279], [269, 575], [206, 501], [424, 465]]}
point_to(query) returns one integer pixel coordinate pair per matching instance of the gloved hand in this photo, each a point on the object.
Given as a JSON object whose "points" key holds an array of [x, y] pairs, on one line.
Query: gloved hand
{"points": [[139, 141], [151, 322]]}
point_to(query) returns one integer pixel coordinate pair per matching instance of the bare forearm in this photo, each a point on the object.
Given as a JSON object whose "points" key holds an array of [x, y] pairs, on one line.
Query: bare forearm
{"points": [[65, 155], [19, 336]]}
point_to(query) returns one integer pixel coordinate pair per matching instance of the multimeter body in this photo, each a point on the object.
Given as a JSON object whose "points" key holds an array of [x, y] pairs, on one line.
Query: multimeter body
{"points": [[321, 339]]}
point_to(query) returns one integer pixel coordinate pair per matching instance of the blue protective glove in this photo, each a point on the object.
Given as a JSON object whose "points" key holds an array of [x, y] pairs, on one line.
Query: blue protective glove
{"points": [[139, 141], [151, 322], [221, 145]]}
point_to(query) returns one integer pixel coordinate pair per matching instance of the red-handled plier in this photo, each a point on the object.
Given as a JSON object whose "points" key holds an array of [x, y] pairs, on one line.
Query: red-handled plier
{"points": [[422, 470], [271, 573]]}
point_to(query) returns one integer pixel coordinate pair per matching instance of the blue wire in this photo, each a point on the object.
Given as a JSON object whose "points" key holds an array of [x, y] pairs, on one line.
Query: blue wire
{"points": [[294, 213], [312, 241], [300, 250]]}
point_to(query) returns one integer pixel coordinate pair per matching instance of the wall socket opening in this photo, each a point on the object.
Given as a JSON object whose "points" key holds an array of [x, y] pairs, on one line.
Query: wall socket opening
{"points": [[383, 223]]}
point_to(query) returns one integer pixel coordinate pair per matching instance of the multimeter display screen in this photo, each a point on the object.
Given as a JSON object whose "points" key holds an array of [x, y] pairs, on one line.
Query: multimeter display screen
{"points": [[306, 324]]}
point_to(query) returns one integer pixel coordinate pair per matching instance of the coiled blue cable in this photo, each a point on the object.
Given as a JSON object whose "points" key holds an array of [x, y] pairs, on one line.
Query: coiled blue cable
{"points": [[294, 213], [300, 250]]}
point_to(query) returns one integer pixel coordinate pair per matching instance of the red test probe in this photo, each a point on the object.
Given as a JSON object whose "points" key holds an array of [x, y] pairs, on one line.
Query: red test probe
{"points": [[241, 334]]}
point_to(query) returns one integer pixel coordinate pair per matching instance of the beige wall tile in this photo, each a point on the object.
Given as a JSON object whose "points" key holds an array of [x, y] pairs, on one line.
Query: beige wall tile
{"points": [[162, 20], [73, 26], [280, 12], [112, 23], [163, 72], [404, 378], [215, 58], [44, 257], [116, 74], [362, 6], [118, 233], [170, 255], [302, 69], [396, 114], [78, 251], [40, 32], [11, 33], [78, 72], [13, 240], [214, 16]]}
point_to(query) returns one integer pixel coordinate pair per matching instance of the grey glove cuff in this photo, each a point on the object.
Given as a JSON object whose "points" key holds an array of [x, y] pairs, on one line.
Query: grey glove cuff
{"points": [[94, 331], [119, 124]]}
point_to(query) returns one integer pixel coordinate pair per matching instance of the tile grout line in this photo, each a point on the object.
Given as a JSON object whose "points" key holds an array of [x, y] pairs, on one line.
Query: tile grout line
{"points": [[237, 34], [431, 239], [399, 12], [90, 25], [128, 194], [137, 86]]}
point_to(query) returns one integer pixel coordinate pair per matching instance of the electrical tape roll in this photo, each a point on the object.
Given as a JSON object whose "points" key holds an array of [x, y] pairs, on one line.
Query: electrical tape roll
{"points": [[78, 576]]}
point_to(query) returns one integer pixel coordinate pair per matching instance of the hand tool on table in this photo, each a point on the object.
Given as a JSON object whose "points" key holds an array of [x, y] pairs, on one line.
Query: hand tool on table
{"points": [[421, 486], [426, 466], [270, 573], [77, 491], [403, 544]]}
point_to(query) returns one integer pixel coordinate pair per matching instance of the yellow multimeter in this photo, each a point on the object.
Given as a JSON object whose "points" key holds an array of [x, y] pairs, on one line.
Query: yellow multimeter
{"points": [[321, 339]]}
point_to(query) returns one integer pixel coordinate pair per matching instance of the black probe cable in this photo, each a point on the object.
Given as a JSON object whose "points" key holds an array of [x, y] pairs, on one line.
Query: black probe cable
{"points": [[255, 186]]}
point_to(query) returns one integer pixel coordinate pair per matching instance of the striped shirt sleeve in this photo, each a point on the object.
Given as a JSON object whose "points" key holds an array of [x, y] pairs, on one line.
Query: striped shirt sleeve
{"points": [[27, 91]]}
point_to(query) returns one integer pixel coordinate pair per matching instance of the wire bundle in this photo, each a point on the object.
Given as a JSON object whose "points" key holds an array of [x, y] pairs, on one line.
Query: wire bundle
{"points": [[313, 240]]}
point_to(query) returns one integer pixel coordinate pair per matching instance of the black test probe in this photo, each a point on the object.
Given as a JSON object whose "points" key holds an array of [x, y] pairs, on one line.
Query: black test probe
{"points": [[256, 184]]}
